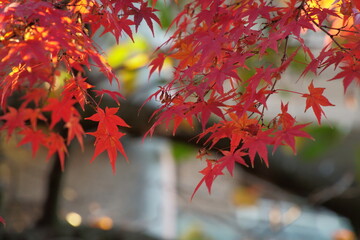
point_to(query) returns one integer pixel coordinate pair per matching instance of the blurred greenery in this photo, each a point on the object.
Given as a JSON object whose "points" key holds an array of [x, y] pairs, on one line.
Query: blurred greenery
{"points": [[300, 60], [195, 233], [165, 14], [119, 54], [182, 151], [326, 137], [127, 58]]}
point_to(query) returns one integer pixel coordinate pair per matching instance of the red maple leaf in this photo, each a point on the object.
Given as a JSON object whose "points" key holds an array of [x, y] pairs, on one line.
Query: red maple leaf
{"points": [[210, 172], [206, 108], [14, 119], [33, 115], [115, 25], [107, 134], [257, 144], [230, 158], [108, 141], [75, 129], [55, 143], [287, 136], [285, 118], [157, 63], [349, 74], [215, 168], [146, 13], [107, 119], [35, 137], [34, 95], [316, 99], [60, 110]]}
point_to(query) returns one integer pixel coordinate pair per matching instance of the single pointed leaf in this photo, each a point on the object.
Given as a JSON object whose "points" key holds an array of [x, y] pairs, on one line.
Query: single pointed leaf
{"points": [[146, 13], [35, 137], [107, 119], [315, 99], [108, 141], [157, 63], [14, 119], [75, 129], [60, 110], [33, 115], [56, 144], [210, 172]]}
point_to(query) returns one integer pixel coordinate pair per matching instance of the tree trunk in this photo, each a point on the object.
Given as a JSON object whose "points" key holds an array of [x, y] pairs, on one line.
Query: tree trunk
{"points": [[49, 217]]}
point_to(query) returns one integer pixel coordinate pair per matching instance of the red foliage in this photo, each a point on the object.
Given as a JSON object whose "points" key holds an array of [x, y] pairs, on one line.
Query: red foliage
{"points": [[213, 42], [41, 39], [2, 220], [315, 100]]}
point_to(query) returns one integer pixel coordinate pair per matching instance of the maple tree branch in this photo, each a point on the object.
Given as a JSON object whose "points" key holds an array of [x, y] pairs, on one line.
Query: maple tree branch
{"points": [[283, 59], [299, 8], [327, 33], [340, 29], [285, 90]]}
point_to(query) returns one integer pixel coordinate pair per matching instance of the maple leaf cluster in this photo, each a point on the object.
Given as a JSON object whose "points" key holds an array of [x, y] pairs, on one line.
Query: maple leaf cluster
{"points": [[40, 42], [46, 46], [214, 41]]}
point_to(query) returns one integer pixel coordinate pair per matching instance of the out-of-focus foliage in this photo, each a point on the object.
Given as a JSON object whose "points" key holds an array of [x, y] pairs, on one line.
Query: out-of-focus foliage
{"points": [[182, 151], [325, 139], [195, 233], [127, 59]]}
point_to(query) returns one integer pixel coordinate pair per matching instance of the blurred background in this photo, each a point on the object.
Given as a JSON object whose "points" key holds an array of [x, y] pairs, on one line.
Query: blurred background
{"points": [[313, 195]]}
